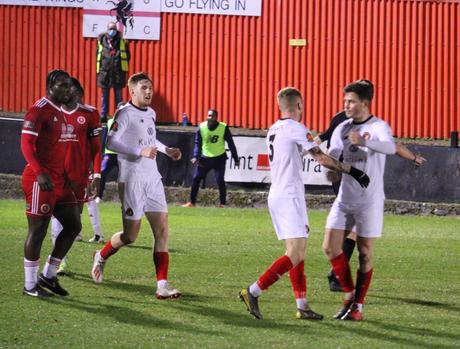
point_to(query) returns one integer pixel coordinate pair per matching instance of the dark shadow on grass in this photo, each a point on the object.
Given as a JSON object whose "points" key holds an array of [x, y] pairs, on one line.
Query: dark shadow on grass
{"points": [[400, 340], [131, 316], [143, 247], [422, 302], [125, 286]]}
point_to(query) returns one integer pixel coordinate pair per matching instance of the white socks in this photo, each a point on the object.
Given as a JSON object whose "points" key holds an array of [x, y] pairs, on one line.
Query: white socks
{"points": [[255, 290], [302, 303], [51, 267], [30, 273], [162, 284], [94, 217]]}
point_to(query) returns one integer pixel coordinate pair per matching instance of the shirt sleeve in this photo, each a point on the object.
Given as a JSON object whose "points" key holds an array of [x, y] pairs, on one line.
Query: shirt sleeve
{"points": [[30, 131], [303, 138], [115, 136], [384, 143], [231, 144], [336, 144], [198, 143]]}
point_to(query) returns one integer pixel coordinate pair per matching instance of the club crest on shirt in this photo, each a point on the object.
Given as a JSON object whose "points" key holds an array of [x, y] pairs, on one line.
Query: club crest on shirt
{"points": [[45, 208], [310, 137], [81, 120], [114, 126], [366, 136], [129, 212]]}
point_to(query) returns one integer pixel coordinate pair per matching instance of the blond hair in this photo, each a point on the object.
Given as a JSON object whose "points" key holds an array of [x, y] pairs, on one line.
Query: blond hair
{"points": [[288, 99]]}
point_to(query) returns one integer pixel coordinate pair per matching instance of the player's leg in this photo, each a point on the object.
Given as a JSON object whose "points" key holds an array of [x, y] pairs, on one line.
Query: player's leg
{"points": [[219, 173], [199, 173], [157, 215], [133, 201], [37, 227], [369, 224], [39, 205], [94, 217], [363, 278], [69, 216], [105, 102], [347, 248]]}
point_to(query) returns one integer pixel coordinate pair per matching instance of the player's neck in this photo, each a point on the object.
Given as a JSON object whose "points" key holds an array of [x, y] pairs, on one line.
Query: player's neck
{"points": [[292, 116], [362, 116]]}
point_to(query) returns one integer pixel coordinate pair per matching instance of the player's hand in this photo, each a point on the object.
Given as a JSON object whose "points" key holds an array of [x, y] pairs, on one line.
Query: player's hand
{"points": [[150, 152], [419, 160], [44, 182], [355, 138], [193, 161], [94, 187], [333, 176], [174, 153], [359, 176]]}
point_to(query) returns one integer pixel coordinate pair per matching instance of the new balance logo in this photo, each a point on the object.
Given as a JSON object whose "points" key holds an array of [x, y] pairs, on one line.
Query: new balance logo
{"points": [[55, 119]]}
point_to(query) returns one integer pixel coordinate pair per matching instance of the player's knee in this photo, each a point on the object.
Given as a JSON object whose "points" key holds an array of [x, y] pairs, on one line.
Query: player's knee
{"points": [[127, 239]]}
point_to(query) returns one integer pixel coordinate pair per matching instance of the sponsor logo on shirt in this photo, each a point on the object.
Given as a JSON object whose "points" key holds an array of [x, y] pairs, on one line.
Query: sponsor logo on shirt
{"points": [[28, 124], [55, 119], [129, 212], [150, 131]]}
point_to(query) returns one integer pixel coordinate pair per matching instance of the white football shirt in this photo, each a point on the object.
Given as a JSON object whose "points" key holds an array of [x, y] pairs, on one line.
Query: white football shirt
{"points": [[377, 135], [287, 141], [132, 130]]}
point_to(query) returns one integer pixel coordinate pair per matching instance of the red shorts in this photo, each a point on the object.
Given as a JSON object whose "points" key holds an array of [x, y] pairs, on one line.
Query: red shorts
{"points": [[81, 190], [42, 203]]}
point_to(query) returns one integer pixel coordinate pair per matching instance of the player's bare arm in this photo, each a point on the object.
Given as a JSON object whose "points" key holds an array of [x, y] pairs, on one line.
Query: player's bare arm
{"points": [[150, 152], [335, 165], [405, 153], [174, 153]]}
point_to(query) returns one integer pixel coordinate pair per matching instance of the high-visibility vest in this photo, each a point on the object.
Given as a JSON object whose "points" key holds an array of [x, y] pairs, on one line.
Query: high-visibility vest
{"points": [[123, 55], [213, 141]]}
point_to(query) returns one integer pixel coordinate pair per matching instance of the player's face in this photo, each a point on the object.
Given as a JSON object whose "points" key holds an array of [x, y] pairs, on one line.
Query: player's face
{"points": [[142, 93], [60, 91], [353, 106]]}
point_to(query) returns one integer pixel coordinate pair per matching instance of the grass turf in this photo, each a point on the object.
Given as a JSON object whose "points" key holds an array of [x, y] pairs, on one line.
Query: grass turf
{"points": [[413, 301]]}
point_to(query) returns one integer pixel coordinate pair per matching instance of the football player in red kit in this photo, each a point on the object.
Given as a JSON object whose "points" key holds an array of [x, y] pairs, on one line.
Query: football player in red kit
{"points": [[44, 143], [83, 155]]}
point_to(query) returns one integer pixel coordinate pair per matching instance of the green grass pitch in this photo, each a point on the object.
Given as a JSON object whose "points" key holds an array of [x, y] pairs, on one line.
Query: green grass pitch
{"points": [[413, 301]]}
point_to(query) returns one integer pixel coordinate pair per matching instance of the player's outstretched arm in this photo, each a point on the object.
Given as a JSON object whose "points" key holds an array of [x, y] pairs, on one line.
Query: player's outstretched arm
{"points": [[405, 153], [336, 165]]}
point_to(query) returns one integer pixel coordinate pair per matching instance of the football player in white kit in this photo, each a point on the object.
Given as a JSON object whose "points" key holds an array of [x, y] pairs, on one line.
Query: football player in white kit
{"points": [[364, 141], [288, 141], [133, 137]]}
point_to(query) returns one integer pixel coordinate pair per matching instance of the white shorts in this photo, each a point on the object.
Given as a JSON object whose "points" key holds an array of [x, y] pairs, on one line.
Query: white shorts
{"points": [[364, 219], [140, 197], [289, 217]]}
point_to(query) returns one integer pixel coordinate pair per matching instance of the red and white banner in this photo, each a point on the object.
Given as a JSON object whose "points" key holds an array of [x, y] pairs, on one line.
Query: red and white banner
{"points": [[136, 19], [255, 167]]}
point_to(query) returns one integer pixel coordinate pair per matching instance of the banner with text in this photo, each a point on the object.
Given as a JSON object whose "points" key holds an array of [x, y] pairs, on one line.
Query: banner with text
{"points": [[136, 19], [215, 7], [255, 167], [53, 3]]}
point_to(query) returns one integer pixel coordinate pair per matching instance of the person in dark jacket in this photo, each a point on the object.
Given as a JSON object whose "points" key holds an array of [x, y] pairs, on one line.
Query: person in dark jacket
{"points": [[209, 154], [112, 66]]}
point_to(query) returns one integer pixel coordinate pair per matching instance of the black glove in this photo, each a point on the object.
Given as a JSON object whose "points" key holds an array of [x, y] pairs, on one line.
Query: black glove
{"points": [[359, 176]]}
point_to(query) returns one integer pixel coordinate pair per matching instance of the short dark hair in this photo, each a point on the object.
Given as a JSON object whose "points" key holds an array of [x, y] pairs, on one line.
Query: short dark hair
{"points": [[363, 88], [288, 98], [77, 85], [213, 112], [53, 75], [136, 77]]}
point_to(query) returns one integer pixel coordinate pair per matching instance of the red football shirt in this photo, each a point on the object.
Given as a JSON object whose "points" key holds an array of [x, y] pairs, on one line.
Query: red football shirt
{"points": [[44, 138], [84, 147]]}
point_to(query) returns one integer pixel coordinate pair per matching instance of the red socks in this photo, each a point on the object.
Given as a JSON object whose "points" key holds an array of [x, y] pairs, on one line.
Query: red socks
{"points": [[108, 250], [298, 281], [161, 260], [363, 280], [274, 272], [341, 268]]}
